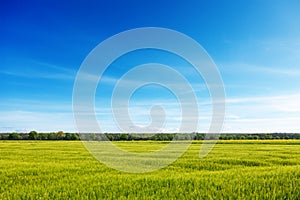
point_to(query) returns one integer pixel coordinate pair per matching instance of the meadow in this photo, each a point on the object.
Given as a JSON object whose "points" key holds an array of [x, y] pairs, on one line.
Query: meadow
{"points": [[234, 169]]}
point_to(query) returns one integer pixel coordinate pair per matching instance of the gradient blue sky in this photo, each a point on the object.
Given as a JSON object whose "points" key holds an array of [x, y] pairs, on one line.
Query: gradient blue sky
{"points": [[255, 44]]}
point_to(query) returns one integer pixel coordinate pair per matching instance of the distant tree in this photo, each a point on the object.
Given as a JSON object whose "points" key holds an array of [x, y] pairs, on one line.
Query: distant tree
{"points": [[60, 135], [14, 136], [224, 137], [51, 136], [92, 136], [110, 137], [269, 137], [71, 136], [4, 136], [116, 137], [134, 137], [25, 136], [42, 136], [32, 135], [261, 136], [243, 137], [255, 137], [286, 137], [67, 136], [124, 136], [171, 136], [296, 136], [99, 137], [74, 136], [199, 136], [179, 136]]}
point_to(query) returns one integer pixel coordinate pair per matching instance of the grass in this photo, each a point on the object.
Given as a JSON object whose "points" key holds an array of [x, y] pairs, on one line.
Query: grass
{"points": [[232, 170]]}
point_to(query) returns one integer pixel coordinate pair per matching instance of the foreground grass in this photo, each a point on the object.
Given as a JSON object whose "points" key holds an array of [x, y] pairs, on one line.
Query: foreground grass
{"points": [[233, 170]]}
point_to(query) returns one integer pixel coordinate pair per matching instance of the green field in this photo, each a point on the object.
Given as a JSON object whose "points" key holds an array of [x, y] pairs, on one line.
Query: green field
{"points": [[233, 170]]}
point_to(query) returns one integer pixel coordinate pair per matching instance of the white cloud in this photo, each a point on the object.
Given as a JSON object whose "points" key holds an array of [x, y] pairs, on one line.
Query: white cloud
{"points": [[40, 121], [264, 114], [261, 69]]}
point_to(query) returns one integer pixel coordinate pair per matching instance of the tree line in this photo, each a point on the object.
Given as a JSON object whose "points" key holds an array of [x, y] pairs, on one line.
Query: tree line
{"points": [[60, 135], [33, 135]]}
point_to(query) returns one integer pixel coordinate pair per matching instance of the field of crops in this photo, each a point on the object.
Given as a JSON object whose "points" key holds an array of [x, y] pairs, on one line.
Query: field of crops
{"points": [[233, 170]]}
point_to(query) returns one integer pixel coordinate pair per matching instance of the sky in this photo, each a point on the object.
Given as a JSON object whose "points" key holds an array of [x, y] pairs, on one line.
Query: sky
{"points": [[255, 45]]}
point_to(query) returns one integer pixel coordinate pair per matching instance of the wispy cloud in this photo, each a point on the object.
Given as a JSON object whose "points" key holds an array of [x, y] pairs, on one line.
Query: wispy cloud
{"points": [[40, 121], [39, 75], [279, 71], [289, 103], [261, 69], [264, 113], [36, 69]]}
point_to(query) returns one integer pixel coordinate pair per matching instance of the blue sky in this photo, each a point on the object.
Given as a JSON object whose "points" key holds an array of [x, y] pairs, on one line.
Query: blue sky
{"points": [[255, 44]]}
